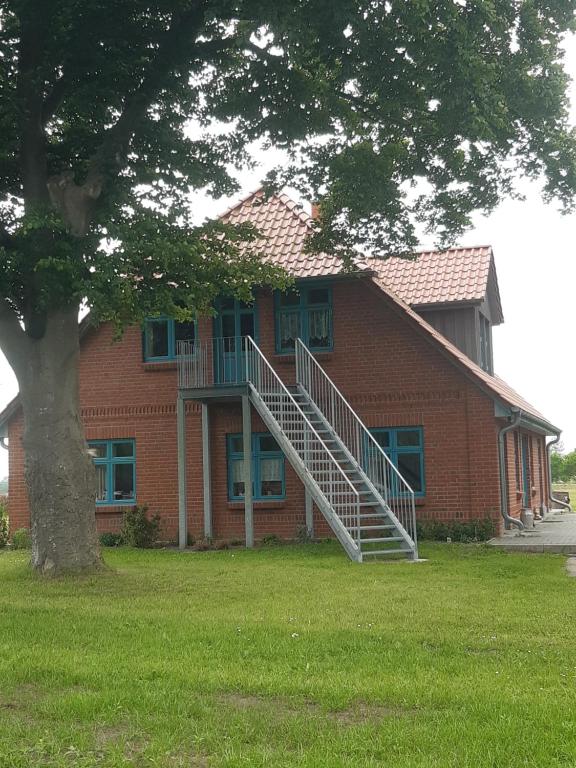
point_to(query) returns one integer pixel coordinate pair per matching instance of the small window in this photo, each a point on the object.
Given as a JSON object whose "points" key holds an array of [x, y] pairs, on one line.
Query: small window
{"points": [[115, 462], [267, 468], [161, 337], [404, 446], [486, 362], [305, 313]]}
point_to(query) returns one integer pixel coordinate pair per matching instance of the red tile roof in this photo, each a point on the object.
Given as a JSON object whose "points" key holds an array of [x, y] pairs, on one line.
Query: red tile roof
{"points": [[285, 228], [441, 277]]}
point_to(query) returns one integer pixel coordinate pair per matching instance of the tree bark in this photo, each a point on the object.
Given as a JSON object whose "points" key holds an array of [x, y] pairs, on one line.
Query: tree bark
{"points": [[59, 471]]}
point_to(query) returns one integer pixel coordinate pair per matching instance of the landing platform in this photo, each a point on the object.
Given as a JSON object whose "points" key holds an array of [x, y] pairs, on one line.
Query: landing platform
{"points": [[555, 534]]}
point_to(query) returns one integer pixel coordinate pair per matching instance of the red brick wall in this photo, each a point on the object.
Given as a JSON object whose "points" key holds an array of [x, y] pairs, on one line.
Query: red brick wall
{"points": [[391, 375]]}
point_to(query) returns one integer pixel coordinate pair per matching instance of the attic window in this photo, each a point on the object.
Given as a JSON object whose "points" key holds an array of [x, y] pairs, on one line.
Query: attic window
{"points": [[486, 344]]}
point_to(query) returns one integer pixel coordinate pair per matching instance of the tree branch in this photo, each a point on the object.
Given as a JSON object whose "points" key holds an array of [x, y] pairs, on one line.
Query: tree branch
{"points": [[32, 142], [177, 41], [13, 339], [54, 98]]}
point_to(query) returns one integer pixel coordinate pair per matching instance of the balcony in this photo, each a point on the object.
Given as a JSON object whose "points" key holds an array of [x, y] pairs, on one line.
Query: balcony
{"points": [[212, 368]]}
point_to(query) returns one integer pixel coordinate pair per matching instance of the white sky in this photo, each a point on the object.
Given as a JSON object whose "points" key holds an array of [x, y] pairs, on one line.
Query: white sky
{"points": [[535, 253]]}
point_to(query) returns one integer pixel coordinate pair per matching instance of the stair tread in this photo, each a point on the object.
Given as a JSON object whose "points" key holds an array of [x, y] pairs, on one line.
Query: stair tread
{"points": [[387, 552], [381, 540]]}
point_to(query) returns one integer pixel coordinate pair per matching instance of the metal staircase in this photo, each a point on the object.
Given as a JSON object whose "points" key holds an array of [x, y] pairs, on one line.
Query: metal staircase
{"points": [[364, 499]]}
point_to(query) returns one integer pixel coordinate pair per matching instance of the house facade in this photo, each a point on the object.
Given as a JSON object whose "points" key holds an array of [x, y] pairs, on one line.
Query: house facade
{"points": [[367, 400]]}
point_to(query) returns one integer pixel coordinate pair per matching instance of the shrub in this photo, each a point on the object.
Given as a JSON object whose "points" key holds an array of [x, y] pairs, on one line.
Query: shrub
{"points": [[111, 539], [139, 530], [471, 530], [271, 540], [21, 539], [3, 523]]}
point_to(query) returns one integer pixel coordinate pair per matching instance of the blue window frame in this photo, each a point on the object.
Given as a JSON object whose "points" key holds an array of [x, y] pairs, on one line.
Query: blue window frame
{"points": [[115, 462], [404, 446], [161, 335], [306, 313], [267, 468]]}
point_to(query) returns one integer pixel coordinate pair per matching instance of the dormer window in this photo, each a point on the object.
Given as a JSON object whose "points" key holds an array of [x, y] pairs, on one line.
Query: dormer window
{"points": [[486, 361]]}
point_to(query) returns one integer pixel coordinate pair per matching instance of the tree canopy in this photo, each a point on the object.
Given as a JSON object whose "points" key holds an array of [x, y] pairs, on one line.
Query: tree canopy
{"points": [[563, 466], [112, 112]]}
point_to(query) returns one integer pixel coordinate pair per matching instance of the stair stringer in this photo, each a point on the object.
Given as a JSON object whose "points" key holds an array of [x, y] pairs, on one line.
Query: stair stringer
{"points": [[340, 531]]}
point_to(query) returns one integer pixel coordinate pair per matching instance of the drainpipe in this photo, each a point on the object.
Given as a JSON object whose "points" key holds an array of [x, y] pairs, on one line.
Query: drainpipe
{"points": [[3, 443], [508, 519], [551, 495]]}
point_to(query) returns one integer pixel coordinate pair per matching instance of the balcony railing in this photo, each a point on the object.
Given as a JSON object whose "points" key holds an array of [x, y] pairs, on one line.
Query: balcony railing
{"points": [[217, 362]]}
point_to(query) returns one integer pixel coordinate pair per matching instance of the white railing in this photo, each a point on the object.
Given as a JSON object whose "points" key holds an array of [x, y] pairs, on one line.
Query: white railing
{"points": [[365, 452], [211, 363], [319, 462]]}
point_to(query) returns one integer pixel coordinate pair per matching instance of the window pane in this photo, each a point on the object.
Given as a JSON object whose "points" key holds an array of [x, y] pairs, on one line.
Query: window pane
{"points": [[382, 437], [271, 477], [185, 331], [123, 482], [409, 468], [226, 303], [289, 323], [408, 437], [101, 482], [318, 296], [157, 338], [290, 299], [318, 328], [122, 449], [236, 444], [228, 325], [247, 324], [268, 444], [97, 450], [237, 477]]}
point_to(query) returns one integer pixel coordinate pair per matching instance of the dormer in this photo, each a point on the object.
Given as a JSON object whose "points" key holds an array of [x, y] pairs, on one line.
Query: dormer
{"points": [[456, 291]]}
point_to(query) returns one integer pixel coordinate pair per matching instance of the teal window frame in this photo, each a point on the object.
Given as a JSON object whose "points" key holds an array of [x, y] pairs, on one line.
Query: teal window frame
{"points": [[393, 450], [302, 310], [109, 462], [171, 339], [257, 456]]}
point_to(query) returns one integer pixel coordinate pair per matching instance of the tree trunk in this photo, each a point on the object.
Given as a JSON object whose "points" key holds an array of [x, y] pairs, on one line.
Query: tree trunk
{"points": [[60, 475]]}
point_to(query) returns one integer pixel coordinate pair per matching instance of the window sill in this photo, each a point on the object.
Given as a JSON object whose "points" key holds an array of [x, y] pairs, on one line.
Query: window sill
{"points": [[159, 365], [114, 509], [238, 506]]}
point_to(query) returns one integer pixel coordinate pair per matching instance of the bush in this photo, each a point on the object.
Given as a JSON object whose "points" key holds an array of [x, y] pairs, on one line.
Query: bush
{"points": [[271, 540], [21, 539], [3, 523], [471, 530], [139, 530], [111, 539]]}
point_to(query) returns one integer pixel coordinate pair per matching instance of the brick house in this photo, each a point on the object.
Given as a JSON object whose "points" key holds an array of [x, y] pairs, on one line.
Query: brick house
{"points": [[353, 405]]}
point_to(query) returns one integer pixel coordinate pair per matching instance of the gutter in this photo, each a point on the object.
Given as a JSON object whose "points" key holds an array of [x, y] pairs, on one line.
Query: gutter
{"points": [[504, 496], [551, 495]]}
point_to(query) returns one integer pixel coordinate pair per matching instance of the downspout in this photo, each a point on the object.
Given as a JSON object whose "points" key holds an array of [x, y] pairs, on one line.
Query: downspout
{"points": [[3, 443], [551, 496], [508, 519]]}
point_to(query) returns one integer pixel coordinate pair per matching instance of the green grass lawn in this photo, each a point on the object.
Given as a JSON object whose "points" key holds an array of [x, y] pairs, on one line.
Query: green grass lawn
{"points": [[291, 657]]}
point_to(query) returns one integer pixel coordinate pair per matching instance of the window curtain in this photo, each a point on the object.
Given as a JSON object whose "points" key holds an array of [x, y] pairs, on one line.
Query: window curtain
{"points": [[270, 469], [319, 324], [289, 328]]}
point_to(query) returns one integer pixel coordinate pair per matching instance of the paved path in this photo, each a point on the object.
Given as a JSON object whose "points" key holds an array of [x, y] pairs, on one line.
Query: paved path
{"points": [[555, 534]]}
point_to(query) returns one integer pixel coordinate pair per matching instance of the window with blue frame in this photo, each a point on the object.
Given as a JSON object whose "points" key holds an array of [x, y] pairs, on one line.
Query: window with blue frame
{"points": [[161, 337], [304, 313], [115, 462], [267, 467], [404, 446]]}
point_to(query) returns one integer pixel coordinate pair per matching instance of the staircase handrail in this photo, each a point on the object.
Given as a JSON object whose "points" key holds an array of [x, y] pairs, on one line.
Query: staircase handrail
{"points": [[250, 379], [303, 354]]}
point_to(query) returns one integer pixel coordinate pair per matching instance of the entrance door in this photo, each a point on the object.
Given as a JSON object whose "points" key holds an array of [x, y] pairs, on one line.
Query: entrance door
{"points": [[235, 321], [527, 491]]}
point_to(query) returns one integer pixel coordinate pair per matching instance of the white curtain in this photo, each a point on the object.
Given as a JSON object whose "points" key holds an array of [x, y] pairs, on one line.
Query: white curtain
{"points": [[319, 324]]}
